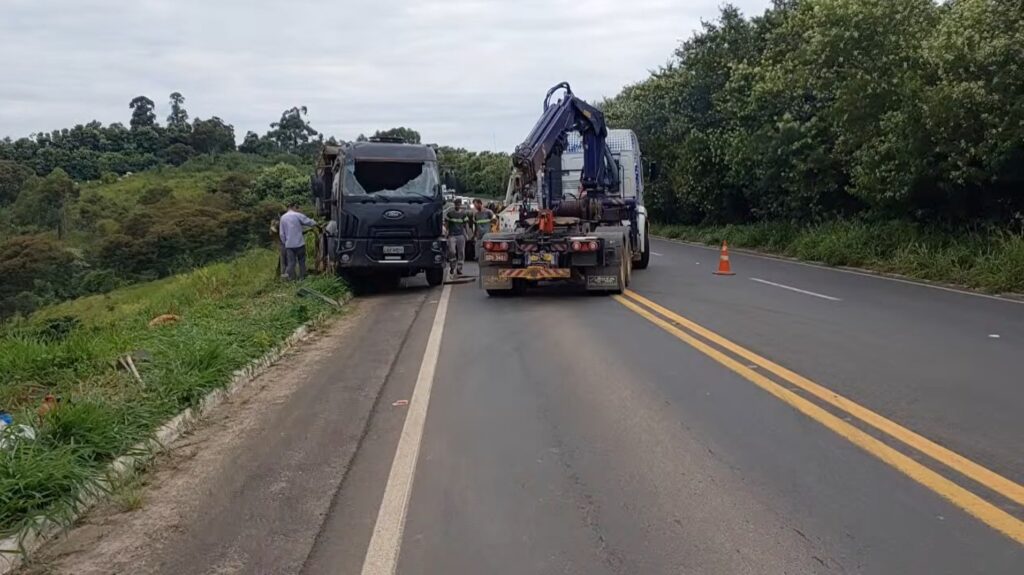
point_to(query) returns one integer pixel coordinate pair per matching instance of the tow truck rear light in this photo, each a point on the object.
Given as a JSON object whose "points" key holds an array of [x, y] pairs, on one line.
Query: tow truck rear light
{"points": [[495, 246], [584, 245]]}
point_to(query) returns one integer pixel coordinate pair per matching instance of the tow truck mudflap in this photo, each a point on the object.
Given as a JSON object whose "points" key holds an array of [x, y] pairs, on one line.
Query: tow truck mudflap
{"points": [[535, 273], [602, 279], [489, 279]]}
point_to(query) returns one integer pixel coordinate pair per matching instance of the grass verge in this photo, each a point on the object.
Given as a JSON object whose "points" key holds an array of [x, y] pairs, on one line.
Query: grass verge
{"points": [[989, 261], [229, 313]]}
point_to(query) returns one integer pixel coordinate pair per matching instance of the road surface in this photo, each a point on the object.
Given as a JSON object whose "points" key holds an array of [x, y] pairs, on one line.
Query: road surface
{"points": [[788, 419]]}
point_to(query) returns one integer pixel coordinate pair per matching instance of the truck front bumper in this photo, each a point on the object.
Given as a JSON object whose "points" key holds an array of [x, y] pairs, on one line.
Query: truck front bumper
{"points": [[416, 254]]}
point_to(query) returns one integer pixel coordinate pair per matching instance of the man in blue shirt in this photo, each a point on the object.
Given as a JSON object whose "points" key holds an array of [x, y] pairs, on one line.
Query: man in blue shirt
{"points": [[293, 224]]}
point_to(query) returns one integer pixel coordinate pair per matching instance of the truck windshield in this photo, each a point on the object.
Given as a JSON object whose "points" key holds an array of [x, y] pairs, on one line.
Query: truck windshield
{"points": [[391, 179]]}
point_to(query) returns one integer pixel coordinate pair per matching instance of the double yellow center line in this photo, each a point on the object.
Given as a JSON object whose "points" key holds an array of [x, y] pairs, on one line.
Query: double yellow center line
{"points": [[701, 339]]}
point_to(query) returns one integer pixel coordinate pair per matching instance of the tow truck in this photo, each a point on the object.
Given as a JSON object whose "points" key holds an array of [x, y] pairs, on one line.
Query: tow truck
{"points": [[587, 238]]}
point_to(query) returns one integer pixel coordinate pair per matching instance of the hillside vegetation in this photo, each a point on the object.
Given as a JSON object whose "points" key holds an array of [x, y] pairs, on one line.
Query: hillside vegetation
{"points": [[821, 111], [228, 313]]}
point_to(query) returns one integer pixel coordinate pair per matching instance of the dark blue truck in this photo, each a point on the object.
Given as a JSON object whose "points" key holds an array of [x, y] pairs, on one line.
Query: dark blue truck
{"points": [[383, 205]]}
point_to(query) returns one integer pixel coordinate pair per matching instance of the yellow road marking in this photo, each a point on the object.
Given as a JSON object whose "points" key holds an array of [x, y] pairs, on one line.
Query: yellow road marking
{"points": [[962, 498], [982, 475]]}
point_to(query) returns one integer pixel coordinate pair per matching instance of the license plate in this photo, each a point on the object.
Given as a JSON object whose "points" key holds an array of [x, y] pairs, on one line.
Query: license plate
{"points": [[541, 259], [394, 249], [496, 257]]}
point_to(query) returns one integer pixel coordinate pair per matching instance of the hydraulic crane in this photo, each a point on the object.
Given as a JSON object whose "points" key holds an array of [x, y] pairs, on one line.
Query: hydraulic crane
{"points": [[599, 179], [586, 238]]}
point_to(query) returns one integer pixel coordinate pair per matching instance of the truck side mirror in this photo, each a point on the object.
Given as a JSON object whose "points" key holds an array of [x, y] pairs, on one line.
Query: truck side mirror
{"points": [[654, 171]]}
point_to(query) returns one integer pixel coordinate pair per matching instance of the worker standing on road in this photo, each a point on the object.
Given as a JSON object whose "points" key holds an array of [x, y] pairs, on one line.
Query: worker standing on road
{"points": [[292, 226], [458, 221], [483, 218]]}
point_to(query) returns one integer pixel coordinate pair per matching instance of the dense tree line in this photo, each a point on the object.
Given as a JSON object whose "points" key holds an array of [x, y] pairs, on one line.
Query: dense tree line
{"points": [[89, 151], [475, 174], [817, 109]]}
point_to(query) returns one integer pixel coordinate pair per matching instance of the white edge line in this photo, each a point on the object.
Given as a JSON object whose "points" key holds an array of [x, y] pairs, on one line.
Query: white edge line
{"points": [[877, 276], [798, 290], [386, 542]]}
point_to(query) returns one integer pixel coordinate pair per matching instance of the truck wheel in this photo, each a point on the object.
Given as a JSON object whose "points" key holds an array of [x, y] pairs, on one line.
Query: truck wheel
{"points": [[645, 255], [435, 276]]}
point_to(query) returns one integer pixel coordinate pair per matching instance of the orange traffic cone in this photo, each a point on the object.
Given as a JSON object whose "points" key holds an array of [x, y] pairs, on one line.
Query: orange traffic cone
{"points": [[724, 269]]}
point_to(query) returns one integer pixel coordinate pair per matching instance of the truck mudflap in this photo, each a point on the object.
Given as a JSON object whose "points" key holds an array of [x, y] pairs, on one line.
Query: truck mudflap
{"points": [[603, 279], [489, 279], [535, 273]]}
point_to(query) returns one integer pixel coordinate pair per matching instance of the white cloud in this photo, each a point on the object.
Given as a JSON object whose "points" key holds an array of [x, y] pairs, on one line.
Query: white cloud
{"points": [[462, 72]]}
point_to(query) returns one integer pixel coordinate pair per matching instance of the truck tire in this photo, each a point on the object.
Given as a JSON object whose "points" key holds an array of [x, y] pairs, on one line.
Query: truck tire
{"points": [[435, 276], [645, 255]]}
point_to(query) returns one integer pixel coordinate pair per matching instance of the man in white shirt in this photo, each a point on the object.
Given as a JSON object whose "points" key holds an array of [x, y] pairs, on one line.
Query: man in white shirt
{"points": [[293, 224]]}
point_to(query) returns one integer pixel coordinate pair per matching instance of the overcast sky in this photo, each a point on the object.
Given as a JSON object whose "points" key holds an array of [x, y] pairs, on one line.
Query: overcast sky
{"points": [[469, 73]]}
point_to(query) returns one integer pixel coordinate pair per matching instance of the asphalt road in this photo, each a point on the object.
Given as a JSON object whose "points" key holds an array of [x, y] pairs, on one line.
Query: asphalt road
{"points": [[574, 434], [788, 419]]}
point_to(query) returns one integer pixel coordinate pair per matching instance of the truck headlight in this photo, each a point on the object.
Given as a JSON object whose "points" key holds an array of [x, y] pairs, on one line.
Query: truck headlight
{"points": [[349, 244]]}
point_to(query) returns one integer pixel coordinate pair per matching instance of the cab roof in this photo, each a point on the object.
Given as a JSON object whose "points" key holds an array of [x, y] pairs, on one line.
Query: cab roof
{"points": [[390, 151]]}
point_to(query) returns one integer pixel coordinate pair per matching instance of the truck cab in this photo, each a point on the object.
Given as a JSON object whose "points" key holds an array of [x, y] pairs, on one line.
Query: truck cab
{"points": [[383, 203]]}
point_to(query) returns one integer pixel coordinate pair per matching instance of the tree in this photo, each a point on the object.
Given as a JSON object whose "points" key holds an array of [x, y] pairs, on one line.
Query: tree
{"points": [[44, 204], [292, 131], [250, 144], [32, 266], [279, 182], [146, 140], [212, 136], [472, 173], [407, 135], [178, 118], [177, 154], [13, 177], [142, 113], [235, 185]]}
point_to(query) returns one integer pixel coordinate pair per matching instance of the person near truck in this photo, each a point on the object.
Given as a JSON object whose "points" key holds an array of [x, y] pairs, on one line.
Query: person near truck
{"points": [[292, 227], [483, 218], [459, 222]]}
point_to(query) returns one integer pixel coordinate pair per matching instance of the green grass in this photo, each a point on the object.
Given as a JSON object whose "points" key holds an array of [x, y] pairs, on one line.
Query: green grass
{"points": [[991, 261], [230, 313]]}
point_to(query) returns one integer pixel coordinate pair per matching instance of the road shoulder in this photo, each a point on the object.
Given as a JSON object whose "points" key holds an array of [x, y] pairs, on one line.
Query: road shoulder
{"points": [[262, 468]]}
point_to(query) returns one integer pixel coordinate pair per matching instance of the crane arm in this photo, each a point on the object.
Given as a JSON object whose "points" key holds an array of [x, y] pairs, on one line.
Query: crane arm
{"points": [[548, 138]]}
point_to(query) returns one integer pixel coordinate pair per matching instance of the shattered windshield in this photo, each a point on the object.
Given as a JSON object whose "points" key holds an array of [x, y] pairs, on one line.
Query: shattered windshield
{"points": [[390, 179]]}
